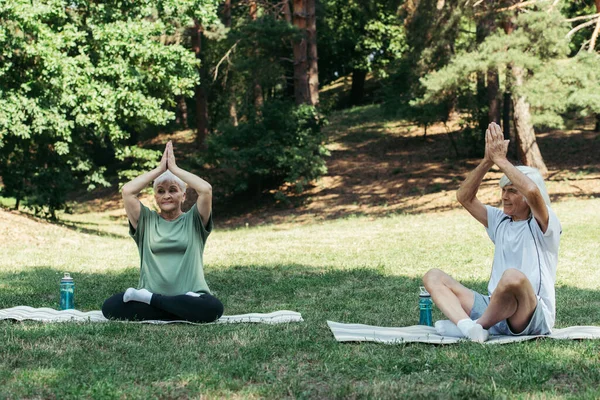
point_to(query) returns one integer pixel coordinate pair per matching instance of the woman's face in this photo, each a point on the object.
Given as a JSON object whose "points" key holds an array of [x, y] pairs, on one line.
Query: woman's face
{"points": [[169, 196]]}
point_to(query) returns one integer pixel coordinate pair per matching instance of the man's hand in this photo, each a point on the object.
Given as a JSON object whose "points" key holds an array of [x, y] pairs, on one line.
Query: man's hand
{"points": [[495, 145]]}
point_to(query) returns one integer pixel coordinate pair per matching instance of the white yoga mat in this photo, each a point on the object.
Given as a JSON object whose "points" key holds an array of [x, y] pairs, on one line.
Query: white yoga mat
{"points": [[22, 313], [427, 334]]}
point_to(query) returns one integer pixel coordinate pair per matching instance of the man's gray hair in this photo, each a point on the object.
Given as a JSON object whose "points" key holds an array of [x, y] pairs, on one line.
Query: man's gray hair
{"points": [[535, 176], [168, 176]]}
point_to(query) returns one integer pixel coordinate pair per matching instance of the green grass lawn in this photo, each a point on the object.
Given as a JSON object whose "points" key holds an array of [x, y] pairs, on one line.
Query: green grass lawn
{"points": [[358, 269]]}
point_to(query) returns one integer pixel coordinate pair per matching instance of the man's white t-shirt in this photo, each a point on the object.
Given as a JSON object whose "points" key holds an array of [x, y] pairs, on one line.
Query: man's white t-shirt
{"points": [[523, 246]]}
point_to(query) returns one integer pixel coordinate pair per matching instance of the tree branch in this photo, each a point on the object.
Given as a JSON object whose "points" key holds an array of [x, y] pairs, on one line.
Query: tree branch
{"points": [[582, 17], [581, 26], [518, 5], [594, 36], [553, 5], [225, 57]]}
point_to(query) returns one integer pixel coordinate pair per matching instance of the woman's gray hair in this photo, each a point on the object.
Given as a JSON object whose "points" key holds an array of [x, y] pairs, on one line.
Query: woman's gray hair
{"points": [[535, 176], [168, 176]]}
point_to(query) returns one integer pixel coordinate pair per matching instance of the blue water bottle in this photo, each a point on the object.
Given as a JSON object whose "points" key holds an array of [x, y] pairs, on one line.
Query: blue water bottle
{"points": [[425, 307], [67, 287]]}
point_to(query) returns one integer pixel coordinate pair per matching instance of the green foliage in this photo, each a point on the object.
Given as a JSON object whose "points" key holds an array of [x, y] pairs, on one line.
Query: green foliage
{"points": [[283, 146], [366, 36], [78, 80], [253, 58], [565, 88], [553, 82], [432, 35]]}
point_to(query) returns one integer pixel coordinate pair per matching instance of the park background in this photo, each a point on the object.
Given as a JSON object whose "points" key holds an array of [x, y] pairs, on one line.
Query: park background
{"points": [[334, 134]]}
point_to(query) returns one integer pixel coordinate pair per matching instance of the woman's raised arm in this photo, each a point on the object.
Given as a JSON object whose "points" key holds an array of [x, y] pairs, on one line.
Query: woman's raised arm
{"points": [[132, 188], [202, 188]]}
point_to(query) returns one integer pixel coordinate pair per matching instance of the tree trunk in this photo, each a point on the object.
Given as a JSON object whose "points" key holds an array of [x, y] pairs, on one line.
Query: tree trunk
{"points": [[259, 99], [485, 25], [182, 113], [313, 65], [597, 123], [227, 13], [509, 134], [200, 92], [481, 99], [301, 91], [233, 118], [529, 152], [493, 87], [506, 107], [287, 13], [357, 92]]}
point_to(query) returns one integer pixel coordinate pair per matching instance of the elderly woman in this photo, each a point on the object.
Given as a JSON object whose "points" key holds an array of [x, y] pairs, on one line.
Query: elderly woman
{"points": [[526, 234], [171, 244]]}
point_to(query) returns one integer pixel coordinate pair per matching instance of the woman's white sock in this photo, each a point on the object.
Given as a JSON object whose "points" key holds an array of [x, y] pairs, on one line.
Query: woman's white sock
{"points": [[141, 295]]}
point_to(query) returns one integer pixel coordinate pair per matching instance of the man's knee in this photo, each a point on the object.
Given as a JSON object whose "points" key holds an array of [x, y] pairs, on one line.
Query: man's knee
{"points": [[513, 279], [433, 277]]}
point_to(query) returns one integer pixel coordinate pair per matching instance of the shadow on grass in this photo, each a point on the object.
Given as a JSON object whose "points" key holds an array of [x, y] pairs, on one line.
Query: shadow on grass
{"points": [[288, 360], [358, 295], [378, 169], [79, 227]]}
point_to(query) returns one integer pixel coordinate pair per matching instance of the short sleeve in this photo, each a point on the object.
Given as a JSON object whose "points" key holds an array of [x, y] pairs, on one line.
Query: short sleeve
{"points": [[551, 237], [138, 234], [494, 217], [199, 226]]}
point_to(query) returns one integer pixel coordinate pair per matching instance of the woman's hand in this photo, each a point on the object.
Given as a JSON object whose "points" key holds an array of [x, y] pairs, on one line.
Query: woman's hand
{"points": [[163, 162], [171, 164], [495, 145]]}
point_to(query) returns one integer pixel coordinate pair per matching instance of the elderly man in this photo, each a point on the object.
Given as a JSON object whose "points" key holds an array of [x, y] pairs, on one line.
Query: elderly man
{"points": [[526, 235]]}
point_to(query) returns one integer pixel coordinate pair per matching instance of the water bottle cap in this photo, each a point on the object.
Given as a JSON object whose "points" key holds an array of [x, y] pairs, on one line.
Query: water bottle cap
{"points": [[67, 277], [423, 292]]}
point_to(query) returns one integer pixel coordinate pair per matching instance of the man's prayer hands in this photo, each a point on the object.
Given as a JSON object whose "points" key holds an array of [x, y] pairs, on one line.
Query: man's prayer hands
{"points": [[495, 145]]}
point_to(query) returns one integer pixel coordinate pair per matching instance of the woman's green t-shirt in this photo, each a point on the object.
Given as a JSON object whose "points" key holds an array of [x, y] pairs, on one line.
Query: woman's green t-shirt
{"points": [[171, 252]]}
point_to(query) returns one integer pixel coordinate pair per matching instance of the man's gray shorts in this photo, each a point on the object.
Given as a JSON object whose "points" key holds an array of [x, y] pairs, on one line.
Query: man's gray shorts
{"points": [[537, 324]]}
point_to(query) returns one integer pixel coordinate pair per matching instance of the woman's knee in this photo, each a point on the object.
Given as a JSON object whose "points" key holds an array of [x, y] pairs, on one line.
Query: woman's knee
{"points": [[216, 307], [112, 305], [211, 309]]}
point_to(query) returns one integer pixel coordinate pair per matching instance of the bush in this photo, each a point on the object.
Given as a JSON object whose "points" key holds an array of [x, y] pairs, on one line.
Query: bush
{"points": [[283, 145]]}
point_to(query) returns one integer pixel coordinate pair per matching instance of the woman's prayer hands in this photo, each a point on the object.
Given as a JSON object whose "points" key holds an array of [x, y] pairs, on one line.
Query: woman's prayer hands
{"points": [[163, 162], [167, 162], [495, 145], [171, 164]]}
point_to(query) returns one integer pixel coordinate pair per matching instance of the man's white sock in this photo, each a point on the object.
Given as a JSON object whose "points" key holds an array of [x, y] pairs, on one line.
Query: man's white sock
{"points": [[141, 295], [472, 330], [478, 334], [446, 327]]}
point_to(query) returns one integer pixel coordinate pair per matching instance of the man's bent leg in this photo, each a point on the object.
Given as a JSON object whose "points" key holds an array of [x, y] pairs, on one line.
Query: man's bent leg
{"points": [[452, 298], [514, 300]]}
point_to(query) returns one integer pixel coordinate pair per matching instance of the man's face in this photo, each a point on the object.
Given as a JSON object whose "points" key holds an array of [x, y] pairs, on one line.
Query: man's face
{"points": [[169, 196], [514, 203]]}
